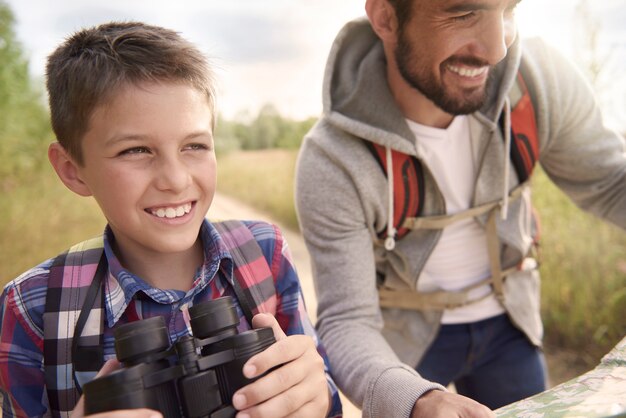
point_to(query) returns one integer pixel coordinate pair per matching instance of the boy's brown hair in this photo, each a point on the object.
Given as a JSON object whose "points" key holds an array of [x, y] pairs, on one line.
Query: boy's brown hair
{"points": [[94, 63]]}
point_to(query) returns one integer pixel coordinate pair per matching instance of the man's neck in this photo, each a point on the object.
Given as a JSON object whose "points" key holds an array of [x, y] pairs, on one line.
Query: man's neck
{"points": [[413, 104]]}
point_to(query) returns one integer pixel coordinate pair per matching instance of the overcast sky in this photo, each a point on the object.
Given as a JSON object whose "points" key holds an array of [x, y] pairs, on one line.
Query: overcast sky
{"points": [[273, 51]]}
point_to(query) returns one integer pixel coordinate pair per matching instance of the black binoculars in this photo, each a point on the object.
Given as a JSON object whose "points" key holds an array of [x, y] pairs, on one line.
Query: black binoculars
{"points": [[195, 377]]}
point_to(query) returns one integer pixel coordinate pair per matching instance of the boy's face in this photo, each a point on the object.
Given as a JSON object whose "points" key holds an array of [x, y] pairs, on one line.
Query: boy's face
{"points": [[149, 162]]}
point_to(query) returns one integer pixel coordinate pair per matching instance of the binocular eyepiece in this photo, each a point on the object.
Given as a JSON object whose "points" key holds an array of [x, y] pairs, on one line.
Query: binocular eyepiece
{"points": [[195, 377]]}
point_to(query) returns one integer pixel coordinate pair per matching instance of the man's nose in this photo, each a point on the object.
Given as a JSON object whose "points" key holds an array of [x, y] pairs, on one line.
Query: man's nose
{"points": [[497, 34]]}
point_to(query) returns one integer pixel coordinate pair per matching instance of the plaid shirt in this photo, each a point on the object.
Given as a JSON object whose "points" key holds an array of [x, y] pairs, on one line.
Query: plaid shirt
{"points": [[128, 298]]}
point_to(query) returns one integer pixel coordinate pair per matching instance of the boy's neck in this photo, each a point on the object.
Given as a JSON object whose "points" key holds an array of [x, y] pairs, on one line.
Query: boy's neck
{"points": [[165, 271]]}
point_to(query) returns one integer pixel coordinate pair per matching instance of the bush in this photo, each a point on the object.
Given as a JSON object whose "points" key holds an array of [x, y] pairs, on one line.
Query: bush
{"points": [[583, 275]]}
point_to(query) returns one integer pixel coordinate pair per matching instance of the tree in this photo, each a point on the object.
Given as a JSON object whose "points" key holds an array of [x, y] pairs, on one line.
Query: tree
{"points": [[596, 60], [24, 126]]}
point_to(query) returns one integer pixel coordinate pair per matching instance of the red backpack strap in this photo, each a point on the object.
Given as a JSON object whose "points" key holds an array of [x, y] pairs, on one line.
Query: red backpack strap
{"points": [[408, 186], [525, 140], [525, 143], [408, 172], [253, 281]]}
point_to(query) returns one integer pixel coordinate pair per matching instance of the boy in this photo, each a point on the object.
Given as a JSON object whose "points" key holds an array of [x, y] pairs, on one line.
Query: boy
{"points": [[132, 107]]}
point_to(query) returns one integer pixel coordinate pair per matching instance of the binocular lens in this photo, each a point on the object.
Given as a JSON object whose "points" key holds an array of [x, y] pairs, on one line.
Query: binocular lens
{"points": [[136, 340], [244, 346], [214, 317]]}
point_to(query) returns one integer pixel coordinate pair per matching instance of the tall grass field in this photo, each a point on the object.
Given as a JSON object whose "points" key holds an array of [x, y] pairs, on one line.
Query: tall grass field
{"points": [[583, 259]]}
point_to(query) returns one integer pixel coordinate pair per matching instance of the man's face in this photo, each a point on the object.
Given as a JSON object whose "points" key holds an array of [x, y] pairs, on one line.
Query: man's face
{"points": [[149, 161], [447, 49]]}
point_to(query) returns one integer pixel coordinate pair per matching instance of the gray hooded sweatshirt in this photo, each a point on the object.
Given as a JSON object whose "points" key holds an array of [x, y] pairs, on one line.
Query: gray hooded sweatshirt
{"points": [[341, 198]]}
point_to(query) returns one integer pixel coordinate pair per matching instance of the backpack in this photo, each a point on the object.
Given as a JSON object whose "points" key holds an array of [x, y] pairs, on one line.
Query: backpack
{"points": [[408, 176], [68, 360]]}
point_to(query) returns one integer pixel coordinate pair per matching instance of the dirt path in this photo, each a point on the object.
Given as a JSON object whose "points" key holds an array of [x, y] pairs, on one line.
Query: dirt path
{"points": [[224, 207]]}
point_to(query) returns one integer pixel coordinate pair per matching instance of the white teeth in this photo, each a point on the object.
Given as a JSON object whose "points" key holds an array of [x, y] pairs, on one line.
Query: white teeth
{"points": [[467, 72], [172, 212]]}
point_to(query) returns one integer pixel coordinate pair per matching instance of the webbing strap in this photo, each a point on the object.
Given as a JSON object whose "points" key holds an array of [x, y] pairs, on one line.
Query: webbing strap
{"points": [[493, 248], [423, 301], [434, 301], [240, 260], [95, 289], [250, 269], [442, 221]]}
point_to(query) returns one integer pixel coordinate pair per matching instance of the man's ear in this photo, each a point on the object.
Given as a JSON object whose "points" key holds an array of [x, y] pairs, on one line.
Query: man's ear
{"points": [[382, 17], [67, 169]]}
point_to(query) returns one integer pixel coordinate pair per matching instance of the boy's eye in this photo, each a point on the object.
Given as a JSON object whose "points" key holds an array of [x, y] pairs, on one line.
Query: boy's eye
{"points": [[135, 150], [197, 146]]}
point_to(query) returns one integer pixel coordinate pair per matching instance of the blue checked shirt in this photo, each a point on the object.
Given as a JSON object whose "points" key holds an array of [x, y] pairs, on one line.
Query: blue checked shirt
{"points": [[128, 298]]}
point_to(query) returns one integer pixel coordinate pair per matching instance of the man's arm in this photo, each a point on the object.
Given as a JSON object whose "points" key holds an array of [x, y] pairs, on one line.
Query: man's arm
{"points": [[580, 155], [349, 317]]}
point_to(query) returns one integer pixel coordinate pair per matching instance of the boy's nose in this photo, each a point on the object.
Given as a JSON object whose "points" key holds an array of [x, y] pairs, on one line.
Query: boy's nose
{"points": [[172, 175]]}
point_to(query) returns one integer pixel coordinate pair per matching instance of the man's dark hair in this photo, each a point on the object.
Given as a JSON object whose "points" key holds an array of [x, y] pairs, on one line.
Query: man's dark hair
{"points": [[403, 10]]}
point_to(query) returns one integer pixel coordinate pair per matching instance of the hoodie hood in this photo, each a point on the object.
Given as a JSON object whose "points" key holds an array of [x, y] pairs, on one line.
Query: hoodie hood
{"points": [[355, 99]]}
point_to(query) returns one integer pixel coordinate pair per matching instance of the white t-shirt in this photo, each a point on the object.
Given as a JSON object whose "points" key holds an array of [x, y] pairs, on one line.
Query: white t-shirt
{"points": [[460, 258]]}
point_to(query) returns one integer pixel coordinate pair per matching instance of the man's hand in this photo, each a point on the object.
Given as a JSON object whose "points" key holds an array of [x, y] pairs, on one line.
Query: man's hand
{"points": [[79, 409], [297, 388], [440, 404]]}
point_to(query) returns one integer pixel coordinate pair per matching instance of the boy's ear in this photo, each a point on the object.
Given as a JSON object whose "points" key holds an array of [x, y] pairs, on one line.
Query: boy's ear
{"points": [[67, 169], [382, 17]]}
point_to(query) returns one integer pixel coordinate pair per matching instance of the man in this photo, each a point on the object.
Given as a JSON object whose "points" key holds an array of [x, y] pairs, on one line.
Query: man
{"points": [[433, 79]]}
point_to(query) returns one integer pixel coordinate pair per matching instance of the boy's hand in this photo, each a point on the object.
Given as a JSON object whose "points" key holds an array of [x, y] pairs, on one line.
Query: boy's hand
{"points": [[79, 409], [297, 388]]}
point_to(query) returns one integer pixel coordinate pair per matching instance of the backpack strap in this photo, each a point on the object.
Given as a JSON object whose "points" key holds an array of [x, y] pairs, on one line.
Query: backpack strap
{"points": [[253, 281], [68, 356], [409, 191], [525, 143], [408, 171]]}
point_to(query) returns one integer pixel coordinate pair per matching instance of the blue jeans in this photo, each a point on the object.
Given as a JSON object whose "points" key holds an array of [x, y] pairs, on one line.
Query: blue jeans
{"points": [[489, 361]]}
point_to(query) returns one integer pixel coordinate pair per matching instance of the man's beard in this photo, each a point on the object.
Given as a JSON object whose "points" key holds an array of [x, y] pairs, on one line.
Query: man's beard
{"points": [[420, 79]]}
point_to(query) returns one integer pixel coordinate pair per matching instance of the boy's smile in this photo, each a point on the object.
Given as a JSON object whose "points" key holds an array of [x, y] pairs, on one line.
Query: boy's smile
{"points": [[171, 212], [149, 161]]}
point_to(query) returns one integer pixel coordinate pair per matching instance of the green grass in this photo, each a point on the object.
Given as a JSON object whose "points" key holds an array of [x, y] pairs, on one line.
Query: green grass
{"points": [[263, 179], [583, 259], [583, 274], [39, 218]]}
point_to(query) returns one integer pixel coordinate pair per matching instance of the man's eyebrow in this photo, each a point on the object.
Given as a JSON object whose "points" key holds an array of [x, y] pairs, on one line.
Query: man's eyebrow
{"points": [[464, 6], [467, 7]]}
